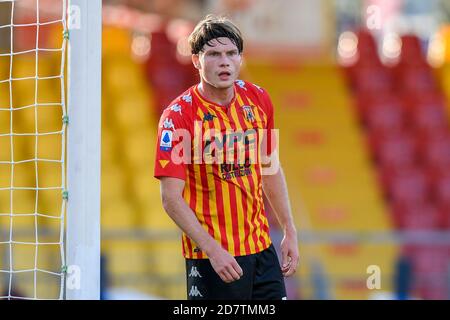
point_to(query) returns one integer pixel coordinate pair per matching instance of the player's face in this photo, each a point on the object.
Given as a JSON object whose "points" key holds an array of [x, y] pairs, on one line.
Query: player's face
{"points": [[219, 63]]}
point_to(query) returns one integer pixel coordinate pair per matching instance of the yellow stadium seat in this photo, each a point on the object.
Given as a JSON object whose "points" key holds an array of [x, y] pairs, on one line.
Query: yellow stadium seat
{"points": [[24, 175], [118, 214], [50, 203], [139, 148], [49, 147], [109, 146], [4, 67], [131, 113], [5, 201], [49, 118], [24, 65], [116, 41], [4, 96], [114, 183], [49, 91], [23, 92], [49, 174]]}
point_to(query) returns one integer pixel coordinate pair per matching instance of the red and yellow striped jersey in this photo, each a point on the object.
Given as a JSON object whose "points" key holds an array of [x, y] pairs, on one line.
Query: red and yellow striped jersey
{"points": [[217, 151]]}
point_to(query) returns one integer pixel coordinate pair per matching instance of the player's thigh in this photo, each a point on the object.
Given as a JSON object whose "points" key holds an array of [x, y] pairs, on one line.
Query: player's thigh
{"points": [[203, 283], [269, 280]]}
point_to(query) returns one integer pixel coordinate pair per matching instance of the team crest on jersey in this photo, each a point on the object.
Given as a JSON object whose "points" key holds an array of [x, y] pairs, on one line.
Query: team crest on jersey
{"points": [[248, 113], [168, 124], [166, 140], [176, 108], [241, 84]]}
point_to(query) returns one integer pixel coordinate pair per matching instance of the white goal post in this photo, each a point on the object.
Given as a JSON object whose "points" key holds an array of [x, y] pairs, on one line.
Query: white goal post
{"points": [[84, 149]]}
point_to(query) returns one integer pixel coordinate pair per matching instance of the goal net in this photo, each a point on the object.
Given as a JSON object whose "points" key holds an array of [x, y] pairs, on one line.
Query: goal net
{"points": [[34, 153]]}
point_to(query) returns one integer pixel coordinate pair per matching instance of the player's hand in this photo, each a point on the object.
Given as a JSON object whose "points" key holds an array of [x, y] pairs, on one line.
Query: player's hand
{"points": [[289, 253], [225, 265]]}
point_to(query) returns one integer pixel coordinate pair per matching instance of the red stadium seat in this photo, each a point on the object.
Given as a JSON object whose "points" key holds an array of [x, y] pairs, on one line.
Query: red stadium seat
{"points": [[423, 216], [367, 49], [428, 117], [393, 148], [416, 79], [436, 153], [398, 150], [430, 267], [372, 79], [385, 113], [441, 189], [407, 185], [412, 53]]}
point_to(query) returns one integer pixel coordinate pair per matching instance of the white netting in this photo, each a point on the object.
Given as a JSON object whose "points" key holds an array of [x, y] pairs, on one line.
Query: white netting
{"points": [[32, 148]]}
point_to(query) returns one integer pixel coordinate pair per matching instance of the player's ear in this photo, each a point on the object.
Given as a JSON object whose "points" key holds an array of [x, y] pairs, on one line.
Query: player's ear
{"points": [[196, 61]]}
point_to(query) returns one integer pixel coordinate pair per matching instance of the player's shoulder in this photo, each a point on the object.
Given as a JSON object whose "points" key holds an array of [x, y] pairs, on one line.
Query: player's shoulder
{"points": [[181, 106], [255, 92], [250, 88]]}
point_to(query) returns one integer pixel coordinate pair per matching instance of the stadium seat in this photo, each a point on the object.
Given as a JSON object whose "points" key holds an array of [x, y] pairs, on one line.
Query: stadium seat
{"points": [[436, 153], [416, 79], [430, 266], [407, 185], [412, 53], [393, 148], [370, 79], [423, 216], [385, 113], [367, 49], [396, 151]]}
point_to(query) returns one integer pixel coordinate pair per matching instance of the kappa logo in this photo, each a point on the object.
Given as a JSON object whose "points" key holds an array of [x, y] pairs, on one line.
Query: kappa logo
{"points": [[194, 273], [259, 88], [168, 124], [208, 117], [176, 108], [241, 84], [194, 292], [187, 98]]}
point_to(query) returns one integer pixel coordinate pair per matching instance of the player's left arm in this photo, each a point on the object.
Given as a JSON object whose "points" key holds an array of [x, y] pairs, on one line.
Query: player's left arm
{"points": [[275, 189]]}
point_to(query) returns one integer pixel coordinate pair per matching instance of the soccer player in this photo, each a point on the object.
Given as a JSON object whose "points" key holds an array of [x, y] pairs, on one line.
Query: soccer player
{"points": [[212, 181]]}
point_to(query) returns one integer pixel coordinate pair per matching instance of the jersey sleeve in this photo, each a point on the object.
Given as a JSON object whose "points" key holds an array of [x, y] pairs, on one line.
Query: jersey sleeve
{"points": [[167, 160], [270, 134]]}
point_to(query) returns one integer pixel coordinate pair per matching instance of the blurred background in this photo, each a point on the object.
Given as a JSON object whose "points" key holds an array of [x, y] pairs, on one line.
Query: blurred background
{"points": [[361, 92]]}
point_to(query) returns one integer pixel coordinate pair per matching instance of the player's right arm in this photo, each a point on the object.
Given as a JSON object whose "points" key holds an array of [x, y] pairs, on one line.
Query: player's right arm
{"points": [[176, 207], [172, 175]]}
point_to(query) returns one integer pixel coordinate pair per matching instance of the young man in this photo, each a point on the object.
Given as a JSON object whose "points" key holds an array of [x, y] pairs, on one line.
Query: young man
{"points": [[211, 177]]}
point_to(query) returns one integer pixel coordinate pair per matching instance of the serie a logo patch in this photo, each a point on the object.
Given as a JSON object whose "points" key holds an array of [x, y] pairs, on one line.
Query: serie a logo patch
{"points": [[166, 140]]}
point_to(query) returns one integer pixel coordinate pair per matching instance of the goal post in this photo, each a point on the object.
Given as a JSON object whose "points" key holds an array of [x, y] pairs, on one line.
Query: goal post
{"points": [[83, 149]]}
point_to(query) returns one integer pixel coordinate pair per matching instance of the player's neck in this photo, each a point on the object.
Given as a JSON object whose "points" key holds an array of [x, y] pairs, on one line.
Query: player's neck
{"points": [[222, 97]]}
